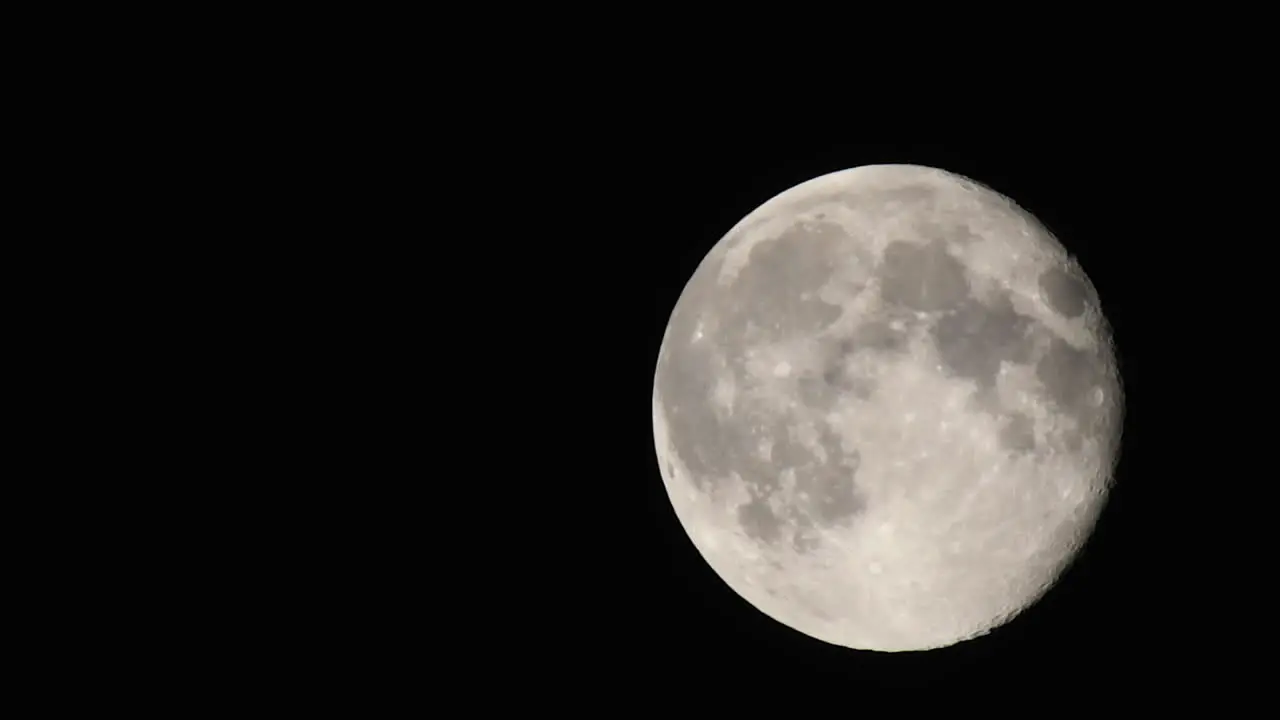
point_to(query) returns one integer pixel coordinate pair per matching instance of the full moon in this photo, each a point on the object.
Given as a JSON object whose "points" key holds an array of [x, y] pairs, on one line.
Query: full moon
{"points": [[887, 408]]}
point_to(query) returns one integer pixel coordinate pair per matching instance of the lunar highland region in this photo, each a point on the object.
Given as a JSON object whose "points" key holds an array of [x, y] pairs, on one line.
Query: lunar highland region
{"points": [[887, 408]]}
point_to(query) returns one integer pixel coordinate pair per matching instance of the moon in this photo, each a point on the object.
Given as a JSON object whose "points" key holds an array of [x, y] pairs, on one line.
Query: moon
{"points": [[887, 408]]}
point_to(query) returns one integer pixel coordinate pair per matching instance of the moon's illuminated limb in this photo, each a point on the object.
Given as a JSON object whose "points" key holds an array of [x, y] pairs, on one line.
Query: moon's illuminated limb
{"points": [[887, 408]]}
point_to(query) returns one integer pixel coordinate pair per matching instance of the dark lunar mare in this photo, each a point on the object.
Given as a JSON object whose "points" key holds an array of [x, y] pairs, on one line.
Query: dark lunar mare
{"points": [[975, 337], [1018, 434], [972, 335], [925, 278], [762, 305], [1063, 292], [1069, 376], [765, 301]]}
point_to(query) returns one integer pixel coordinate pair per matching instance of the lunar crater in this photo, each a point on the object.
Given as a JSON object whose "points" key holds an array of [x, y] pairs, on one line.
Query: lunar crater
{"points": [[773, 296], [1063, 291]]}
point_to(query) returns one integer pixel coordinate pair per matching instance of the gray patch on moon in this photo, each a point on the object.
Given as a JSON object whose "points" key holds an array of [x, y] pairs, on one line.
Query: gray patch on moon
{"points": [[1018, 434], [1062, 291], [787, 452], [977, 336], [697, 432], [1069, 376], [766, 296], [716, 447], [683, 380], [758, 521], [803, 540], [874, 335], [834, 376], [825, 493], [925, 278], [817, 392], [829, 486], [822, 392], [775, 292]]}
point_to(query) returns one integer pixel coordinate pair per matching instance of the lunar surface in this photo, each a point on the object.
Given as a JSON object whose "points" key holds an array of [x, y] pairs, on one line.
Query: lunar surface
{"points": [[887, 409]]}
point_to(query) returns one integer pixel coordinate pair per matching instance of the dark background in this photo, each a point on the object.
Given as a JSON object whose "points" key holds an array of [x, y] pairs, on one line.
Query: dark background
{"points": [[491, 447], [1157, 598]]}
